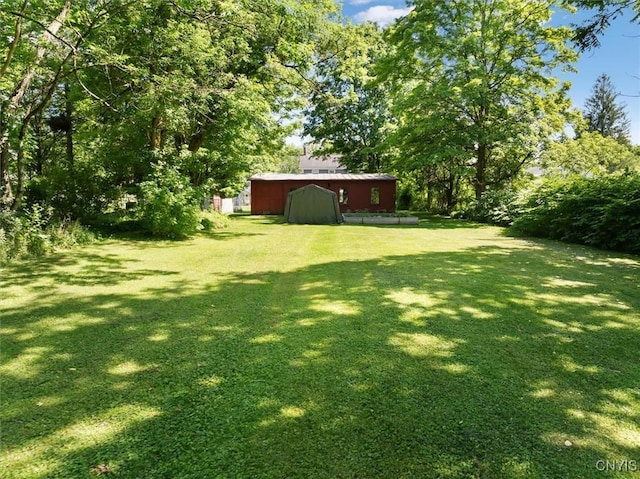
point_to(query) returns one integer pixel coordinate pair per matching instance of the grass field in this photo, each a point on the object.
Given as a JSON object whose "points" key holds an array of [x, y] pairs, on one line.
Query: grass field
{"points": [[293, 351]]}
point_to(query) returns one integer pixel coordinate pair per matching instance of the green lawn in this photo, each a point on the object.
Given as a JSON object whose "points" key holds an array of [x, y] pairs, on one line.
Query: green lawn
{"points": [[292, 351]]}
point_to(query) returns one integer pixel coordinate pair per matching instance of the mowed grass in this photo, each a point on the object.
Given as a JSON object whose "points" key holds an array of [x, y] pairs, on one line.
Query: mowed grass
{"points": [[294, 351]]}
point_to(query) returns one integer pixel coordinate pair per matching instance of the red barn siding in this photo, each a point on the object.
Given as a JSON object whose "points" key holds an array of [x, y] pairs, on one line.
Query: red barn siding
{"points": [[269, 192]]}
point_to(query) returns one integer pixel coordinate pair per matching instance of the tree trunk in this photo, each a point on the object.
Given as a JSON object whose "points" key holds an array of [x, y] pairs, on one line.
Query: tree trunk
{"points": [[155, 135], [196, 141], [481, 167], [69, 131], [6, 194], [450, 192], [10, 107], [24, 128]]}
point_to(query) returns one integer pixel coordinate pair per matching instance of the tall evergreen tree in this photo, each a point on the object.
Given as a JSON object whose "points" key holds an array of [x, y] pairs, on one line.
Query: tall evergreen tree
{"points": [[604, 114]]}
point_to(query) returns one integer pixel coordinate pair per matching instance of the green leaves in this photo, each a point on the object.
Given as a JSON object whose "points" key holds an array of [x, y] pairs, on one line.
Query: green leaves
{"points": [[350, 111], [194, 76], [590, 154], [473, 84], [169, 204], [603, 212]]}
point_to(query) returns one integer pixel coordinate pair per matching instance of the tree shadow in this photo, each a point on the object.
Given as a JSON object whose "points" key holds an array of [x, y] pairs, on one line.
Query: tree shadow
{"points": [[82, 268], [487, 362], [441, 222], [425, 222], [222, 235]]}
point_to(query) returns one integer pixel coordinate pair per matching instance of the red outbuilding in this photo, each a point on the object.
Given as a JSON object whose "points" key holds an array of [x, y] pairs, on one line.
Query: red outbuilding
{"points": [[371, 192]]}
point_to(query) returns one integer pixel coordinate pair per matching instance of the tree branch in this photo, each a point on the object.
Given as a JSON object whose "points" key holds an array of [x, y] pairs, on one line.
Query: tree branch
{"points": [[16, 39]]}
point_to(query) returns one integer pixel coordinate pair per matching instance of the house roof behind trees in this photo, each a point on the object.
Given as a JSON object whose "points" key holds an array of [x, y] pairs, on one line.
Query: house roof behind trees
{"points": [[310, 163], [322, 177]]}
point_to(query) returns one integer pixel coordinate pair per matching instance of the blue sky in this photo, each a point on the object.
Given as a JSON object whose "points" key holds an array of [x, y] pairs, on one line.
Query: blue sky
{"points": [[618, 55]]}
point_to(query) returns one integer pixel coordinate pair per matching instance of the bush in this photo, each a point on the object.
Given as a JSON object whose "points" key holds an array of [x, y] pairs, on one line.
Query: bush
{"points": [[81, 194], [121, 221], [497, 207], [213, 220], [34, 234], [169, 205], [602, 212]]}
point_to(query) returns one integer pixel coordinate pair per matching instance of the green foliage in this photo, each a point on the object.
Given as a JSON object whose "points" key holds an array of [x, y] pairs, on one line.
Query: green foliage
{"points": [[168, 203], [603, 114], [602, 211], [26, 235], [474, 89], [121, 80], [350, 111], [35, 234], [406, 193], [289, 160], [590, 154], [497, 207], [213, 220], [81, 193], [605, 11]]}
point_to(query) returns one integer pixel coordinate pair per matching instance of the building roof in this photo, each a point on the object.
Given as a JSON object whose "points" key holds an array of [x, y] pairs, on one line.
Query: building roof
{"points": [[315, 162], [322, 177]]}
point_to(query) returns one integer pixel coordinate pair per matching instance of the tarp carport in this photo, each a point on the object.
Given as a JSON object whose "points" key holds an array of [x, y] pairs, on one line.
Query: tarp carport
{"points": [[312, 204]]}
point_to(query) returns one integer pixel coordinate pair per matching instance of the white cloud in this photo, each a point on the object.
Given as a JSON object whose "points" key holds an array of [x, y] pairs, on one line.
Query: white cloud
{"points": [[361, 2], [383, 15]]}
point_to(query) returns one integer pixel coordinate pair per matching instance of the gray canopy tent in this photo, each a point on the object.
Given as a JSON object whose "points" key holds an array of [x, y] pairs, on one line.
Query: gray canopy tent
{"points": [[312, 204]]}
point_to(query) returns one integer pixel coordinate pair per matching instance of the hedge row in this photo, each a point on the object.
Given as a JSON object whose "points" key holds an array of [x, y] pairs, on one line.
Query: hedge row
{"points": [[603, 211]]}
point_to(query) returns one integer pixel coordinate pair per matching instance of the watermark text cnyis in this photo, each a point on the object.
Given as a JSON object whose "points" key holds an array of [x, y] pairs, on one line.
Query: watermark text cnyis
{"points": [[620, 465]]}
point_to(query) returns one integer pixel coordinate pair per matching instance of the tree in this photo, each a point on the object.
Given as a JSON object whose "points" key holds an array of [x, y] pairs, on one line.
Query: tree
{"points": [[603, 114], [205, 80], [38, 77], [93, 92], [350, 112], [586, 35], [474, 88], [290, 159], [19, 100], [590, 154]]}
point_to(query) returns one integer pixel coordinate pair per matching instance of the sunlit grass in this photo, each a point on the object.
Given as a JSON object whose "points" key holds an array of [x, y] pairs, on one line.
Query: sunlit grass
{"points": [[270, 350]]}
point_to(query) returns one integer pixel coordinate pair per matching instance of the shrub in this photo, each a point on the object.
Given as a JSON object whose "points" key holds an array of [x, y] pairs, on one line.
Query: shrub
{"points": [[602, 211], [81, 194], [497, 207], [213, 220], [35, 234], [169, 205], [10, 227]]}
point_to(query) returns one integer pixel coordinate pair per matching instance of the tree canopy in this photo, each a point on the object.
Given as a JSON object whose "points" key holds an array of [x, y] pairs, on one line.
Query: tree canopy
{"points": [[474, 89], [118, 82], [105, 101], [349, 112], [590, 154], [586, 35]]}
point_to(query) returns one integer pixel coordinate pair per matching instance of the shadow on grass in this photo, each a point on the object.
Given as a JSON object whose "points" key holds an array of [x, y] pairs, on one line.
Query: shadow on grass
{"points": [[79, 268], [429, 223], [222, 235], [425, 221], [443, 222], [489, 362]]}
